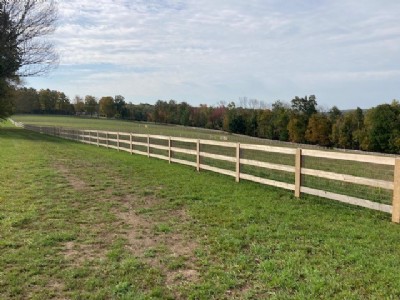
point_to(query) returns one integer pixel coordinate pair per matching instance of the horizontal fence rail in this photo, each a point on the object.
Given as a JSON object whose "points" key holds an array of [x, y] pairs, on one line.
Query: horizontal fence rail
{"points": [[370, 181]]}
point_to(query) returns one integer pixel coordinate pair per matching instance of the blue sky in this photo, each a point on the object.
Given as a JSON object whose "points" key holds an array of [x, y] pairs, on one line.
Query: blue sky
{"points": [[346, 52]]}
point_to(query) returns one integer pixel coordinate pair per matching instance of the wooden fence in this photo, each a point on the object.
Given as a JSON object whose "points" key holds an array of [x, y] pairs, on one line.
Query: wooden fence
{"points": [[205, 155]]}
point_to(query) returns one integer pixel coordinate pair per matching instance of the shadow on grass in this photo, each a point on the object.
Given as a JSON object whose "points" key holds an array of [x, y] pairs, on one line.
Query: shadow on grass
{"points": [[23, 134]]}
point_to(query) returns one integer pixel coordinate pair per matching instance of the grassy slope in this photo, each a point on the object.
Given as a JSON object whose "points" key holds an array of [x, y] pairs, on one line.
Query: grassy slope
{"points": [[69, 227], [141, 127]]}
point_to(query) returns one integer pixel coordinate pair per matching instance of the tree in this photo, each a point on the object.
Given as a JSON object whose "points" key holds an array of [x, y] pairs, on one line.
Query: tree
{"points": [[24, 24], [26, 101], [319, 130], [334, 114], [307, 106], [265, 126], [90, 105], [10, 60], [6, 103], [280, 121], [23, 51], [120, 107], [63, 104], [297, 127], [184, 110], [48, 100], [79, 105], [382, 128], [107, 107], [347, 131]]}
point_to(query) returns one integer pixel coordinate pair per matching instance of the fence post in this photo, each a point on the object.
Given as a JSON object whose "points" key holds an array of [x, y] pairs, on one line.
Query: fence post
{"points": [[396, 193], [169, 150], [107, 139], [148, 145], [130, 143], [297, 179], [118, 141], [237, 162], [98, 143], [198, 155]]}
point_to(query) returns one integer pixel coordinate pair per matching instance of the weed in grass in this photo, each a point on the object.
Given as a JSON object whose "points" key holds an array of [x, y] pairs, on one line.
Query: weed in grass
{"points": [[162, 228]]}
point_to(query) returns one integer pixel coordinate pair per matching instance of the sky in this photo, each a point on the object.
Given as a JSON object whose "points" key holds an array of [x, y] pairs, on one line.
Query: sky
{"points": [[346, 52]]}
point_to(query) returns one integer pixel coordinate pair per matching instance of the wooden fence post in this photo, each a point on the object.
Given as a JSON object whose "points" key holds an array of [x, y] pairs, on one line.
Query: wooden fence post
{"points": [[148, 145], [198, 155], [107, 139], [169, 150], [98, 143], [130, 143], [118, 141], [297, 176], [237, 162], [396, 193]]}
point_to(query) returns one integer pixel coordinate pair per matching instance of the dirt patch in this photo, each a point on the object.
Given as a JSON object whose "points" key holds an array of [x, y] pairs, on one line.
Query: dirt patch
{"points": [[154, 233], [161, 244], [181, 277], [75, 182], [76, 253]]}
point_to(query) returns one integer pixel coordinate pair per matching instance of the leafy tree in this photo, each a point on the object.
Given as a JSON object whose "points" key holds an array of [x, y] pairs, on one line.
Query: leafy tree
{"points": [[347, 131], [184, 110], [160, 112], [107, 107], [217, 117], [48, 100], [26, 101], [265, 124], [6, 102], [63, 104], [280, 121], [307, 106], [90, 105], [120, 106], [296, 128], [382, 128], [237, 124], [319, 130], [79, 105], [334, 114]]}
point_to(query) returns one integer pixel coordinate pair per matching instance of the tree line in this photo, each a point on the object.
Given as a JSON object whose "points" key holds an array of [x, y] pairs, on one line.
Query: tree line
{"points": [[300, 121]]}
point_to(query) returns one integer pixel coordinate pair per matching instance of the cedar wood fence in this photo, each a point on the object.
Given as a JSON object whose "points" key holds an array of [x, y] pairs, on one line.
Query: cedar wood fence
{"points": [[258, 163]]}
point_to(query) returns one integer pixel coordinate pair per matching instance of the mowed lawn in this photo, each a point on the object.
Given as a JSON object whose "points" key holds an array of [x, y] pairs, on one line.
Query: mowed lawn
{"points": [[82, 222]]}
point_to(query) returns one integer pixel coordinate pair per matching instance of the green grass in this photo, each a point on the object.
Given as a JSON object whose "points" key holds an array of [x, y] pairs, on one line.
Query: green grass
{"points": [[373, 171], [82, 222]]}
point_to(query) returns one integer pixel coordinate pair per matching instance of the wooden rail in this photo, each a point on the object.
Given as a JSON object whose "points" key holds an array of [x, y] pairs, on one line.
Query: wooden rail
{"points": [[195, 153]]}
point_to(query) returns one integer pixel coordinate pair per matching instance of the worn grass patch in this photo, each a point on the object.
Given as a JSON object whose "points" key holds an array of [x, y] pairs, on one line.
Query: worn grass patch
{"points": [[81, 222]]}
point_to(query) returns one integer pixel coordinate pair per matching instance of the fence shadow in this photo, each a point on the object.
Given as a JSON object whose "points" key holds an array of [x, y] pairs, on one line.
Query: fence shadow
{"points": [[10, 133]]}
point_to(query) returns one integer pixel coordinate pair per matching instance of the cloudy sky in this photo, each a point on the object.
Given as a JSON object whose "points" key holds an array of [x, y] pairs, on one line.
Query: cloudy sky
{"points": [[346, 52]]}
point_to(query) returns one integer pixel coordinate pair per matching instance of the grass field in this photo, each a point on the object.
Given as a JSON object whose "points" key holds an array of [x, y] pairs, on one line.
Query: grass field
{"points": [[144, 128], [372, 171], [81, 222]]}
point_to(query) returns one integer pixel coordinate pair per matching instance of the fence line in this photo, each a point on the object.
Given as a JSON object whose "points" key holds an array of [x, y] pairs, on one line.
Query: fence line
{"points": [[194, 153]]}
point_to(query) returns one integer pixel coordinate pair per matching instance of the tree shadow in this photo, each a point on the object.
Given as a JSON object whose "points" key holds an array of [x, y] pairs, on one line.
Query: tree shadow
{"points": [[15, 133]]}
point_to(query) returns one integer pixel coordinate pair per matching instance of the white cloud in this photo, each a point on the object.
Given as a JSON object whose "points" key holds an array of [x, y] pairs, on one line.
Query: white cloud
{"points": [[214, 50]]}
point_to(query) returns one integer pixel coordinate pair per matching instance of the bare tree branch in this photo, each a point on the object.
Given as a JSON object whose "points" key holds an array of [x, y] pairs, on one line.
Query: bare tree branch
{"points": [[29, 21]]}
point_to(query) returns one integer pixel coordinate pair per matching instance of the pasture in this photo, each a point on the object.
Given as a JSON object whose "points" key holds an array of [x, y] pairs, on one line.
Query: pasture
{"points": [[77, 221], [142, 128]]}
